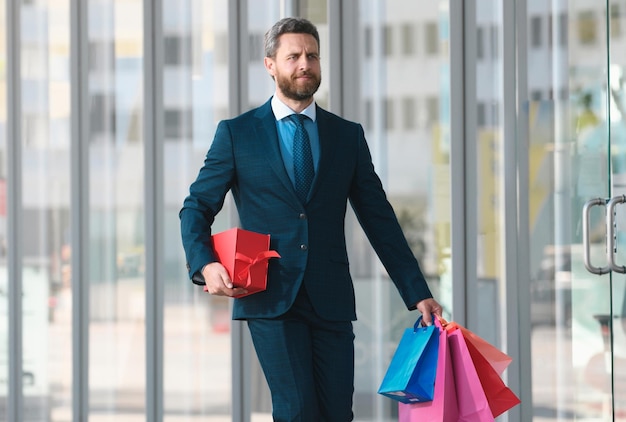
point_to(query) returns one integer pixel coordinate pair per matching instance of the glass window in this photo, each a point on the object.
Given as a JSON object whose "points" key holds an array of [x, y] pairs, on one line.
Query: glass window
{"points": [[116, 212], [587, 27], [480, 43], [46, 274], [409, 113], [535, 31], [387, 36], [408, 39], [175, 49], [196, 338], [615, 21], [432, 38], [407, 127]]}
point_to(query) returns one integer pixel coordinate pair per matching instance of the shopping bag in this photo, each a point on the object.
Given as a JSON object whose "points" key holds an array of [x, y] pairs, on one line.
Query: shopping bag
{"points": [[496, 358], [499, 396], [471, 399], [443, 407], [411, 373]]}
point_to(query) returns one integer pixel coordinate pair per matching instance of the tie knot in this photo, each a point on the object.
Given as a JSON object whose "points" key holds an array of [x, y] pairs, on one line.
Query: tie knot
{"points": [[298, 118]]}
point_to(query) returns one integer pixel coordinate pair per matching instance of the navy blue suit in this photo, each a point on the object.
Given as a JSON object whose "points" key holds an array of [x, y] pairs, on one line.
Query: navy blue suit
{"points": [[245, 158]]}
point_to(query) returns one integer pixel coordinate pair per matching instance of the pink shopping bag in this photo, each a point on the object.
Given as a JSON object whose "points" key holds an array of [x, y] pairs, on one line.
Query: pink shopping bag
{"points": [[471, 399], [443, 407]]}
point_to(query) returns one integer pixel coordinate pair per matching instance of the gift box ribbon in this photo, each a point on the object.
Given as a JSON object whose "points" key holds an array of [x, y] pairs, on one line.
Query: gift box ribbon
{"points": [[260, 258]]}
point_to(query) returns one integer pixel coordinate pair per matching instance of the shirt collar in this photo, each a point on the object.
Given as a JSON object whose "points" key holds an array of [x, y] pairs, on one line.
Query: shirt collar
{"points": [[281, 110]]}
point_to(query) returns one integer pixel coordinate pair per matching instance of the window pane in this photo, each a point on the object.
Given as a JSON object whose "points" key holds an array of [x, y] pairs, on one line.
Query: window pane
{"points": [[261, 16], [197, 351], [406, 119], [46, 276], [117, 348]]}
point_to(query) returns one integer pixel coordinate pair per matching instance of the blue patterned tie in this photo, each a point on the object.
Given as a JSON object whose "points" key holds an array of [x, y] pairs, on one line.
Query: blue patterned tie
{"points": [[302, 159]]}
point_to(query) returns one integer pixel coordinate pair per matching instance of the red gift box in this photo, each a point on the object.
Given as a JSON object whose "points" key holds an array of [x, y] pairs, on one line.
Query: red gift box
{"points": [[245, 256]]}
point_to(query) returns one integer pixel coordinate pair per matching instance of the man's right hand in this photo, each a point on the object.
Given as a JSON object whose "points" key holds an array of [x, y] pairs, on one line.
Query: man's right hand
{"points": [[218, 282]]}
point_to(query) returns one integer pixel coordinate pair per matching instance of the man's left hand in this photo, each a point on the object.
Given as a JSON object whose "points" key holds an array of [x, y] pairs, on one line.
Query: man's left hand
{"points": [[428, 307]]}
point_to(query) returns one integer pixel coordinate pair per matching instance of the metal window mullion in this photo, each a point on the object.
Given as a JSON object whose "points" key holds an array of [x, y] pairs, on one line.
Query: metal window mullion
{"points": [[154, 200], [79, 204], [510, 329], [345, 60], [241, 393], [521, 381], [463, 161], [15, 406]]}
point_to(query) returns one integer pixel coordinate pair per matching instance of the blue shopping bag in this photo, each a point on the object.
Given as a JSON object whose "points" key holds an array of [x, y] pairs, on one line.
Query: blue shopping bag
{"points": [[410, 377]]}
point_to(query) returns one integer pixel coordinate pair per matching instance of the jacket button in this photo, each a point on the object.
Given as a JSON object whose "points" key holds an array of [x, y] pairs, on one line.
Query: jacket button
{"points": [[303, 247], [302, 216]]}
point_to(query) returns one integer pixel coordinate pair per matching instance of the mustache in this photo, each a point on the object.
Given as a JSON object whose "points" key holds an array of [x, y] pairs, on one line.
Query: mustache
{"points": [[305, 73]]}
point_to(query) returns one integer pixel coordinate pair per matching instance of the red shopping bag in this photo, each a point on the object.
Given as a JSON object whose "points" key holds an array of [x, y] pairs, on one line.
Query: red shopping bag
{"points": [[499, 397], [496, 358], [443, 407], [471, 399]]}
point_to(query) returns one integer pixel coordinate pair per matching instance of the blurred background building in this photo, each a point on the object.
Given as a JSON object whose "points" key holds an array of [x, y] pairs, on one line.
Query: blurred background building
{"points": [[491, 123]]}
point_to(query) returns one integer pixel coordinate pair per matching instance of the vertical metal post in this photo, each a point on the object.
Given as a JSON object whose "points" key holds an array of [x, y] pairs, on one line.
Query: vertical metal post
{"points": [[79, 158], [511, 235], [14, 215], [241, 394], [153, 176], [463, 155], [521, 380]]}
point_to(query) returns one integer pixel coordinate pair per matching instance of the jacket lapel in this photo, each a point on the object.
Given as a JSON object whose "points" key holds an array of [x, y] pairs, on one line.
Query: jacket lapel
{"points": [[328, 147], [268, 135]]}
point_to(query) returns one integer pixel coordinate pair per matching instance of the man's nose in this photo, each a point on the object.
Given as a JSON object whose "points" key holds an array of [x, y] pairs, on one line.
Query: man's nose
{"points": [[304, 62]]}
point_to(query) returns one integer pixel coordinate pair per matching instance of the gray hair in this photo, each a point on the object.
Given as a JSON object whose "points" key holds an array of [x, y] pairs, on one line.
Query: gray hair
{"points": [[288, 26]]}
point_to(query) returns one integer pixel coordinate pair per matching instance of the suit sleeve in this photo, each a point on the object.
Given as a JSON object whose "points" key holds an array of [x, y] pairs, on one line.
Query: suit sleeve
{"points": [[379, 221], [205, 200]]}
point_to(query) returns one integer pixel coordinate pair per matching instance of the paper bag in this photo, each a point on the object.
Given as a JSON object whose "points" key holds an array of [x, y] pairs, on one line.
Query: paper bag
{"points": [[443, 407], [411, 374]]}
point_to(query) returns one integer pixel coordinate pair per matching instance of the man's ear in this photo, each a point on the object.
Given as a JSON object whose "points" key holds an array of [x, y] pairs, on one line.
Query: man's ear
{"points": [[269, 66]]}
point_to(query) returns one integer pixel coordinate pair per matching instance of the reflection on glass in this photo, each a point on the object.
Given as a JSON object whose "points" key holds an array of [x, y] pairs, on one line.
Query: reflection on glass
{"points": [[404, 93], [197, 342], [46, 277], [116, 212]]}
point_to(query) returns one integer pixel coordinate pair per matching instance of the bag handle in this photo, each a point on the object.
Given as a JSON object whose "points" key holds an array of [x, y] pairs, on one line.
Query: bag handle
{"points": [[439, 322]]}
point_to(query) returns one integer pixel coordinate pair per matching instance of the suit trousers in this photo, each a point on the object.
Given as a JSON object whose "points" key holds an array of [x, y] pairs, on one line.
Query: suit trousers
{"points": [[308, 363]]}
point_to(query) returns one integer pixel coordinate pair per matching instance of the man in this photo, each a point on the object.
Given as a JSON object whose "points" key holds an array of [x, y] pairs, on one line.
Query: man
{"points": [[301, 326]]}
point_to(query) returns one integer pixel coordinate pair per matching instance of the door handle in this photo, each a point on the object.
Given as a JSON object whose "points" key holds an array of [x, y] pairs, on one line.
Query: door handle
{"points": [[610, 233], [586, 244]]}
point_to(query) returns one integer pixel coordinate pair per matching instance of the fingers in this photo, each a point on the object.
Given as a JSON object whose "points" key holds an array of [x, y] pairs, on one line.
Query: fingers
{"points": [[428, 307], [218, 282]]}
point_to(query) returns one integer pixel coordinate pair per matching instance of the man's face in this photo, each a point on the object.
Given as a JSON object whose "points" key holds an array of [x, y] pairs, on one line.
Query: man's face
{"points": [[296, 67]]}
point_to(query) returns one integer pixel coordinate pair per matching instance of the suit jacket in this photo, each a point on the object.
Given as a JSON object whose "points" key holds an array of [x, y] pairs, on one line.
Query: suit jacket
{"points": [[245, 158]]}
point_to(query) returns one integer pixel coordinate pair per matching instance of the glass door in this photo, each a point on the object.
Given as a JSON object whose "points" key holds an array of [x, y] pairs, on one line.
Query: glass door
{"points": [[577, 179]]}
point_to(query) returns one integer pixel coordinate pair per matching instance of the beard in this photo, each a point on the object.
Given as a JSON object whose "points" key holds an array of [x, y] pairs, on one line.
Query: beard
{"points": [[295, 91]]}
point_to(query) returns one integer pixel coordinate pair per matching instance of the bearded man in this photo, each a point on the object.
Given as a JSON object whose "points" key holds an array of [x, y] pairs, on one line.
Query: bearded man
{"points": [[292, 168]]}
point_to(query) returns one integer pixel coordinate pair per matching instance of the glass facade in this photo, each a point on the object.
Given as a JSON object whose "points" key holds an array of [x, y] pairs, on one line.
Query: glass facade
{"points": [[491, 124]]}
